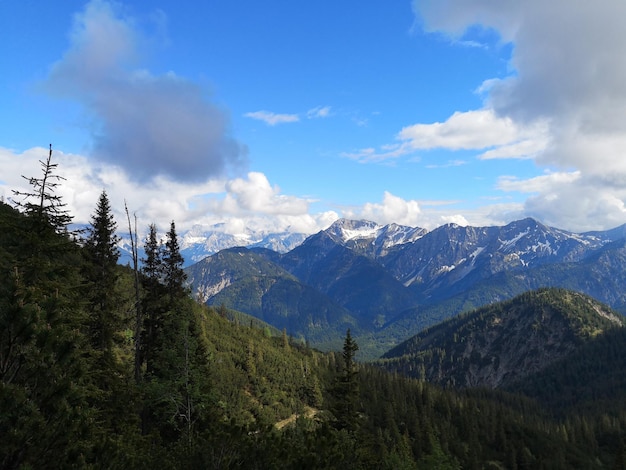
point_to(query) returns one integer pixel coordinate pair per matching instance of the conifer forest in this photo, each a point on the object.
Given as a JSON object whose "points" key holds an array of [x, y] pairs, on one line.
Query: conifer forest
{"points": [[105, 365]]}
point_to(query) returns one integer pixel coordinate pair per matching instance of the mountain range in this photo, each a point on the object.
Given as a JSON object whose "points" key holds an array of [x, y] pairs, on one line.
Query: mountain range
{"points": [[389, 282], [205, 240]]}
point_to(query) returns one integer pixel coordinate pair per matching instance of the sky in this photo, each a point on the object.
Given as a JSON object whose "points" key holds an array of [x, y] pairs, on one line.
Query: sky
{"points": [[278, 115]]}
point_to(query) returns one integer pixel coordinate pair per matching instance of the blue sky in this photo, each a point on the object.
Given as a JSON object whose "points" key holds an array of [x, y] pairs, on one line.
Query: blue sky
{"points": [[282, 115]]}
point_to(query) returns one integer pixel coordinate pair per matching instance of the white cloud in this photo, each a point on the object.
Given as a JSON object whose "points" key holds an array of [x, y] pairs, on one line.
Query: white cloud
{"points": [[567, 88], [538, 184], [318, 112], [371, 155], [432, 214], [470, 130], [252, 201], [449, 164], [559, 199], [392, 209], [463, 130], [255, 194], [522, 149], [271, 119]]}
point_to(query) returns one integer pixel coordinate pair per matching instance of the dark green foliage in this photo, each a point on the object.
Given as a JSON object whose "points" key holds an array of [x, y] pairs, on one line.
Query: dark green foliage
{"points": [[345, 392], [268, 292], [173, 275], [221, 391], [100, 274], [44, 414], [585, 380], [499, 344], [152, 303]]}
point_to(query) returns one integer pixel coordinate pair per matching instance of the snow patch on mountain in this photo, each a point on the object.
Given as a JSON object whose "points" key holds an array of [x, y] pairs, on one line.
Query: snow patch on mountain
{"points": [[370, 238], [202, 241]]}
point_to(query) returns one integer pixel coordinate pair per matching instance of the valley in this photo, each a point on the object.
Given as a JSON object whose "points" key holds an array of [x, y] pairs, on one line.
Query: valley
{"points": [[389, 282]]}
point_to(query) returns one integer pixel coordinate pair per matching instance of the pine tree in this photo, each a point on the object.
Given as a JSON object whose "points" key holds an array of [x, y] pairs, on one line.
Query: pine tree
{"points": [[102, 255], [153, 308], [346, 388], [176, 360], [173, 274]]}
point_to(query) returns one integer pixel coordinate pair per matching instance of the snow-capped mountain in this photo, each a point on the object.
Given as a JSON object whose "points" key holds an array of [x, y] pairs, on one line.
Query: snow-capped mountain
{"points": [[397, 278], [371, 239], [202, 241], [363, 236], [450, 253]]}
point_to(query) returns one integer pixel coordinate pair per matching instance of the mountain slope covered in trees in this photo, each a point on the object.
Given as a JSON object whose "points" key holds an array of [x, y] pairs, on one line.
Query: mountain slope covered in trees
{"points": [[497, 345], [110, 366]]}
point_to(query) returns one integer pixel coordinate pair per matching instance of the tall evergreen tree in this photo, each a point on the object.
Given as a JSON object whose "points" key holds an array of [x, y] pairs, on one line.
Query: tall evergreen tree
{"points": [[176, 360], [346, 388], [105, 301], [152, 302], [173, 273], [102, 254]]}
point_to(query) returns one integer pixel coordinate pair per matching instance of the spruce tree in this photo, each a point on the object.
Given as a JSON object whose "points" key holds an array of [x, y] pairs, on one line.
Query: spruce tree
{"points": [[106, 301], [176, 360], [153, 308], [102, 254], [173, 273], [346, 388]]}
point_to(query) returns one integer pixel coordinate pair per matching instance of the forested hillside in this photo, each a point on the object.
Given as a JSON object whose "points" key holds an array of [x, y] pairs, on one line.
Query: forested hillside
{"points": [[109, 366], [497, 345]]}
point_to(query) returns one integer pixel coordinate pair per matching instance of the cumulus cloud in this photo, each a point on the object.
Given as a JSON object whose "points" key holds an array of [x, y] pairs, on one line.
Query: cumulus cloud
{"points": [[271, 119], [464, 130], [567, 83], [429, 214], [560, 198], [248, 202], [148, 124], [255, 194], [241, 202], [470, 130], [392, 209]]}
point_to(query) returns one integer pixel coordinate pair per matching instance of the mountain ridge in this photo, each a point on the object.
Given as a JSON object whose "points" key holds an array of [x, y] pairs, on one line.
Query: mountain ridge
{"points": [[497, 345], [394, 280]]}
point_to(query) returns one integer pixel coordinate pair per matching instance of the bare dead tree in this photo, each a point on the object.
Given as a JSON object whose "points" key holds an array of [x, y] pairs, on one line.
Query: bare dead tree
{"points": [[138, 314]]}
